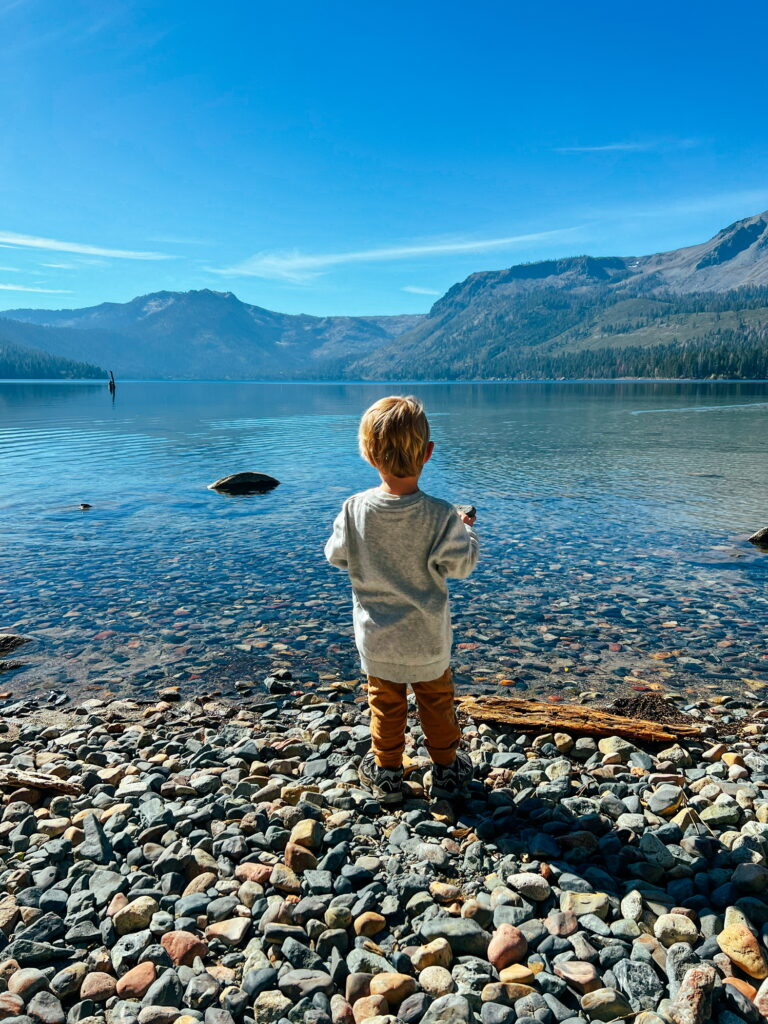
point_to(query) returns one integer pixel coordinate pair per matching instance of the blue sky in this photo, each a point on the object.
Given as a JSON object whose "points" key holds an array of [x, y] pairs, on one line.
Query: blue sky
{"points": [[347, 157]]}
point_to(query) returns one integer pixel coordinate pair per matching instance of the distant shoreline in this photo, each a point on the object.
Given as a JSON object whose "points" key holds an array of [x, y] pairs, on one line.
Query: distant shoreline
{"points": [[438, 380]]}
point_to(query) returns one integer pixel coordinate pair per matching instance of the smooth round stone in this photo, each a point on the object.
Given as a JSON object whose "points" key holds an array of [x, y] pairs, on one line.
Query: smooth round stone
{"points": [[436, 981], [450, 1009], [135, 915], [579, 975], [11, 1005], [739, 944], [98, 986], [507, 946], [444, 892], [580, 903], [434, 954], [672, 928], [632, 906], [27, 982], [369, 1007], [135, 983], [561, 923], [531, 885], [615, 745], [627, 930], [370, 923], [497, 1013], [605, 1004], [517, 974], [393, 987], [666, 800], [338, 917]]}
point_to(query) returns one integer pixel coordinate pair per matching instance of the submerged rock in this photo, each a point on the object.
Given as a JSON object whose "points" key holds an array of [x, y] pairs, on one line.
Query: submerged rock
{"points": [[244, 483], [10, 641]]}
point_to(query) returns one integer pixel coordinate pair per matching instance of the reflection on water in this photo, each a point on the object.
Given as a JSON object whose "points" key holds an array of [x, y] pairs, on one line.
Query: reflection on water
{"points": [[612, 531]]}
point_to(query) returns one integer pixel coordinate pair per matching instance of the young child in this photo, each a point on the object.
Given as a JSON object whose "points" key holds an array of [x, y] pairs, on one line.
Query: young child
{"points": [[399, 546]]}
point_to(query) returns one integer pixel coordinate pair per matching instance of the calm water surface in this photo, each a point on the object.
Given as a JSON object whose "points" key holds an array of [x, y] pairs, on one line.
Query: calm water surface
{"points": [[612, 517]]}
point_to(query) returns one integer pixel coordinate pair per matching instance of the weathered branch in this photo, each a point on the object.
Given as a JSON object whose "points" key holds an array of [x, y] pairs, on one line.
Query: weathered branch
{"points": [[537, 716], [12, 777]]}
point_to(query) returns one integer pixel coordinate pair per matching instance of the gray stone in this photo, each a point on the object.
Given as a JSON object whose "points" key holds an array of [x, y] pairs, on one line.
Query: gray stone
{"points": [[640, 983], [680, 959], [450, 1009], [304, 984], [95, 845], [465, 936], [166, 990], [35, 954], [46, 1008]]}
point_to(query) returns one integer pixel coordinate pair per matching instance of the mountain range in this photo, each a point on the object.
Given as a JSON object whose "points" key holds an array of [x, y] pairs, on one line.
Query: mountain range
{"points": [[697, 311]]}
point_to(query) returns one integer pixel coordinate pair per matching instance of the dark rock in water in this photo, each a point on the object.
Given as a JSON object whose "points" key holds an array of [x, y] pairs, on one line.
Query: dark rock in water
{"points": [[760, 539], [244, 483], [10, 641]]}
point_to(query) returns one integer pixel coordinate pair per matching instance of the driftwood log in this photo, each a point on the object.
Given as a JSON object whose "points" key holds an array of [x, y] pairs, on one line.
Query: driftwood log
{"points": [[10, 778], [537, 716]]}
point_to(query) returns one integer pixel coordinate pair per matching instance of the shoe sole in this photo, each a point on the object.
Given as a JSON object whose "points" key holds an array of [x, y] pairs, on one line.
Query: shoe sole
{"points": [[379, 794]]}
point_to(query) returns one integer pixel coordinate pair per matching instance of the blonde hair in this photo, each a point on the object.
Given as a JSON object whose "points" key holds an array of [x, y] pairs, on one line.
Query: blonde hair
{"points": [[394, 434]]}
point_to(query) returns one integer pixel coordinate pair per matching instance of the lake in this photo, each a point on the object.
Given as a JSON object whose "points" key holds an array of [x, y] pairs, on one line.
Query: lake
{"points": [[612, 519]]}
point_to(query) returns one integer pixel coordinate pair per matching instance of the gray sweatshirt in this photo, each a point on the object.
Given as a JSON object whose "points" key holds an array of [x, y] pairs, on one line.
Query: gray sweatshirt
{"points": [[399, 552]]}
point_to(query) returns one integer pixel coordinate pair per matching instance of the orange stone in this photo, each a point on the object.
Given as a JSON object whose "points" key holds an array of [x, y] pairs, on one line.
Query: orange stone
{"points": [[508, 946], [182, 947], [392, 987], [742, 986], [369, 1006], [253, 873], [579, 975], [135, 983], [98, 986]]}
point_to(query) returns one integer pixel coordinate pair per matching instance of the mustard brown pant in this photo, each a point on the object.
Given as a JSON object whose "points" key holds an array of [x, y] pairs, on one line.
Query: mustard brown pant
{"points": [[389, 716]]}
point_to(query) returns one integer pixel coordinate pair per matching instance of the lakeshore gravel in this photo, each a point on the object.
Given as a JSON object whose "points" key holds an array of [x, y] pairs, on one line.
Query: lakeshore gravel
{"points": [[222, 864]]}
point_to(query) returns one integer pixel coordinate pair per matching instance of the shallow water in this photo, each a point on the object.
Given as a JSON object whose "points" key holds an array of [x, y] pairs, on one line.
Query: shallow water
{"points": [[612, 518]]}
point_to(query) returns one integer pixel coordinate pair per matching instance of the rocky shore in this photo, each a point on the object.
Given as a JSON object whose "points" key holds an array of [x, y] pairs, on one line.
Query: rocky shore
{"points": [[193, 860]]}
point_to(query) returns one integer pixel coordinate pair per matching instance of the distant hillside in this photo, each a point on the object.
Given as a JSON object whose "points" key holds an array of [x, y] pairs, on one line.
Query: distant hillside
{"points": [[588, 316], [18, 363], [698, 311], [203, 334]]}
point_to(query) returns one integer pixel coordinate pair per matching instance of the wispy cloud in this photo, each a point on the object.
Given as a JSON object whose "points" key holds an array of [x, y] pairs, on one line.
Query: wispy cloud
{"points": [[737, 203], [415, 290], [9, 239], [26, 288], [60, 266], [300, 267], [10, 270], [631, 147]]}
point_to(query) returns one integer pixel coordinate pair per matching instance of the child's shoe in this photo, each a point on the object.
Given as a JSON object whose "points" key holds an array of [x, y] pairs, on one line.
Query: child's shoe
{"points": [[451, 780], [386, 784]]}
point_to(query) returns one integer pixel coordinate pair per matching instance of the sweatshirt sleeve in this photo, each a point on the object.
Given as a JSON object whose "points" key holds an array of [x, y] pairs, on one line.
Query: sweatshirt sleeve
{"points": [[455, 553], [336, 545]]}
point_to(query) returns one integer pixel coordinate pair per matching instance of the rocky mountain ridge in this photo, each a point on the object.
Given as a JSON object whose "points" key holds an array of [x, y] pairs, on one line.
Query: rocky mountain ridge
{"points": [[698, 310]]}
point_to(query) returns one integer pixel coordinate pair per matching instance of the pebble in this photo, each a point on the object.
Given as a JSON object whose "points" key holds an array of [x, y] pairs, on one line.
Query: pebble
{"points": [[233, 871], [672, 928]]}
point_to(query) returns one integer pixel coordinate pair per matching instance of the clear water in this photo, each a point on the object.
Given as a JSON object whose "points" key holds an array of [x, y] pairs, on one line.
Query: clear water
{"points": [[612, 516]]}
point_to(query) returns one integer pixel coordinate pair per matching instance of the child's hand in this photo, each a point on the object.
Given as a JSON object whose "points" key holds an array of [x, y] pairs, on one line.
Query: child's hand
{"points": [[469, 520]]}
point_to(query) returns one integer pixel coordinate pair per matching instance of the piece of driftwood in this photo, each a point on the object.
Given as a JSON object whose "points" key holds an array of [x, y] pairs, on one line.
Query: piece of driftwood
{"points": [[537, 716], [13, 777]]}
